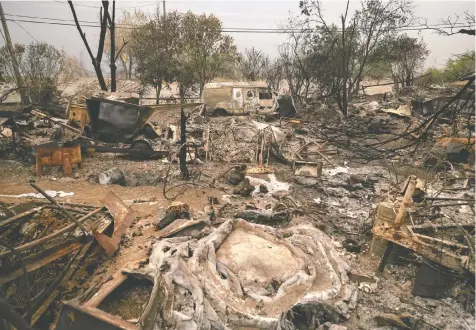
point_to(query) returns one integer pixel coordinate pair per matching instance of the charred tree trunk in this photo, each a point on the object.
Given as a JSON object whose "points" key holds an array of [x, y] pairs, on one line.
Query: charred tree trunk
{"points": [[408, 79], [183, 143], [183, 138], [130, 67], [113, 47], [96, 61], [158, 89], [345, 67]]}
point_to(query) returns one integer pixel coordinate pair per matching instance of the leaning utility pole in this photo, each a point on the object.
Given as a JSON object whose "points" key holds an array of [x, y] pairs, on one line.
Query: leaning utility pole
{"points": [[13, 57]]}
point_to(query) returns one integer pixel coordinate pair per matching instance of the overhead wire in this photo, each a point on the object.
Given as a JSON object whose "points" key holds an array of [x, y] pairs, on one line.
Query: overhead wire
{"points": [[230, 30], [443, 25], [25, 31], [90, 6]]}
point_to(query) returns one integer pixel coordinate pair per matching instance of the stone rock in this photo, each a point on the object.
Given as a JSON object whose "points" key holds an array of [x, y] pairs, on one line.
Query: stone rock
{"points": [[374, 105], [353, 179], [176, 210], [263, 189], [337, 327], [244, 188], [236, 175], [263, 217], [401, 321]]}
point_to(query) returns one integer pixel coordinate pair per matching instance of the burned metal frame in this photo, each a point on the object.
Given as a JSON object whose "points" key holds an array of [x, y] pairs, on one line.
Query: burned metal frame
{"points": [[449, 254]]}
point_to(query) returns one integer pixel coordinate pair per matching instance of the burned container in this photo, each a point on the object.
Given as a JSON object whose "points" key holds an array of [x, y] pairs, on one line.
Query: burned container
{"points": [[114, 121], [434, 281]]}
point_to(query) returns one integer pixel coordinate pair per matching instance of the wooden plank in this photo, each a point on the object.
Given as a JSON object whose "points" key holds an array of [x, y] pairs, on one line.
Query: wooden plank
{"points": [[20, 216], [40, 259]]}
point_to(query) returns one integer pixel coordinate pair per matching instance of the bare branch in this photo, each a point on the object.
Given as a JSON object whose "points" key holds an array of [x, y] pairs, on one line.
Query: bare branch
{"points": [[120, 49]]}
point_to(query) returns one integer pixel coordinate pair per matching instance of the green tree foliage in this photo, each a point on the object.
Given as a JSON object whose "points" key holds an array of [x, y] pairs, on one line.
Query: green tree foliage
{"points": [[405, 55], [156, 46], [208, 48], [456, 69], [184, 48], [42, 67], [460, 66]]}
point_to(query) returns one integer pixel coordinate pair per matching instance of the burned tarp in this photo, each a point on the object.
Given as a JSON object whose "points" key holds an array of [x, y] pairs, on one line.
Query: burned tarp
{"points": [[115, 121], [286, 106]]}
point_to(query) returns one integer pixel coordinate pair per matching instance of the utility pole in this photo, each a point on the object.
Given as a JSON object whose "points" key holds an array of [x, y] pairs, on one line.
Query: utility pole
{"points": [[13, 57], [163, 4], [113, 47]]}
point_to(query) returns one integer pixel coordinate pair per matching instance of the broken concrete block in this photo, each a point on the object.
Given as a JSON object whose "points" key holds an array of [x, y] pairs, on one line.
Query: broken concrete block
{"points": [[112, 176]]}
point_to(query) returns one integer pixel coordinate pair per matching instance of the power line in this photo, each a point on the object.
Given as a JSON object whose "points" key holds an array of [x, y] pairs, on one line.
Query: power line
{"points": [[440, 25], [90, 6], [233, 30], [25, 31]]}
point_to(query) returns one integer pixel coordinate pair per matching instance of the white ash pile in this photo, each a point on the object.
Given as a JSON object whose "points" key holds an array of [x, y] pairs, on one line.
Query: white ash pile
{"points": [[246, 275]]}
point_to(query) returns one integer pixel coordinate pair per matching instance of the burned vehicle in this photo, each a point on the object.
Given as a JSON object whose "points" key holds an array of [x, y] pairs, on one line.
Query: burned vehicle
{"points": [[122, 127], [238, 98]]}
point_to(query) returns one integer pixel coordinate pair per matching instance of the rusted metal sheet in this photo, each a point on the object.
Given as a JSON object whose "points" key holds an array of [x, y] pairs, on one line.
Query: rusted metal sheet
{"points": [[75, 317], [123, 218], [54, 154], [78, 113]]}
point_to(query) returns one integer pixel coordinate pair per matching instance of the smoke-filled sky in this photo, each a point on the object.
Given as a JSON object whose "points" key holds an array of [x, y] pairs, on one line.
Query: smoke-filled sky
{"points": [[233, 13]]}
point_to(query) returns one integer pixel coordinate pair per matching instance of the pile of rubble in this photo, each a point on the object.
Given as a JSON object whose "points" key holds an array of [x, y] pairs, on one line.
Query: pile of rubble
{"points": [[284, 223]]}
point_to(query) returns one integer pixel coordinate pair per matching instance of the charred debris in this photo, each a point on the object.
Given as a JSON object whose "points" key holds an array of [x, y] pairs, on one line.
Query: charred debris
{"points": [[304, 221]]}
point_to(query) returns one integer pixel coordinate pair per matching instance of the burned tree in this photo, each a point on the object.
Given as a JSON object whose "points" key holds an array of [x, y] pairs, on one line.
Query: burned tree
{"points": [[124, 42], [356, 38], [96, 61], [252, 64], [404, 56], [455, 26]]}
